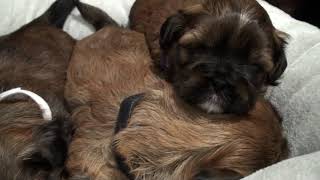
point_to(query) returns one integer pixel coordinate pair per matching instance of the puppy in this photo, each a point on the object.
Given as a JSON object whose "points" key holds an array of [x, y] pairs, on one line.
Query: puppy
{"points": [[219, 55], [167, 139], [103, 70], [156, 135], [35, 58]]}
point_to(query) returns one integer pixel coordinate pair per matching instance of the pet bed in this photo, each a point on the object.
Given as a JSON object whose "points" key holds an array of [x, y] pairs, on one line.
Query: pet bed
{"points": [[297, 97]]}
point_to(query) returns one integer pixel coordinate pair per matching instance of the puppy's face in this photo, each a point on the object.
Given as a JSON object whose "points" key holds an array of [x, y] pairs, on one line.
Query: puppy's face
{"points": [[221, 63]]}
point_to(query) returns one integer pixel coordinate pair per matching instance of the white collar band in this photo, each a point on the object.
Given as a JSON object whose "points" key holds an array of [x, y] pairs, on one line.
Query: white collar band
{"points": [[46, 111]]}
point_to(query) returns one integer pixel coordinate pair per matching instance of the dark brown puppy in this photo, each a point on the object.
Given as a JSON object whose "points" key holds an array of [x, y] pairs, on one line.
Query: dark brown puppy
{"points": [[35, 57], [219, 54], [164, 138]]}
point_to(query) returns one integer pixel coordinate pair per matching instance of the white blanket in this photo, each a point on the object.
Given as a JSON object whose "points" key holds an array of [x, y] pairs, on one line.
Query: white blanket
{"points": [[15, 13], [306, 167]]}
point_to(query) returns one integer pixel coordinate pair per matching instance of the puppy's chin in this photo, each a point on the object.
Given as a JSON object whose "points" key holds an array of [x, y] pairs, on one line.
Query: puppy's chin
{"points": [[212, 105]]}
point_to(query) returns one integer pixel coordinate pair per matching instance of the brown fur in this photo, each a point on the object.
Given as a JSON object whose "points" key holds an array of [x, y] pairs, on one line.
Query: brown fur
{"points": [[175, 142], [105, 68], [165, 138], [35, 57], [218, 52], [147, 17]]}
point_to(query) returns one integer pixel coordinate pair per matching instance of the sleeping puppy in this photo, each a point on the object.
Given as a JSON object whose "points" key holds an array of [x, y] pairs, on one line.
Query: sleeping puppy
{"points": [[35, 58], [220, 55], [164, 138], [112, 91], [99, 77]]}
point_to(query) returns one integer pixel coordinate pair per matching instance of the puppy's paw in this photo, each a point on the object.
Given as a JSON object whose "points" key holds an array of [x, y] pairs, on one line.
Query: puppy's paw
{"points": [[50, 146]]}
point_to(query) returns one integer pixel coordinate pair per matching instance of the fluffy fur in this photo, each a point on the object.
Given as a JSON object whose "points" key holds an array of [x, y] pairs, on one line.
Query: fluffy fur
{"points": [[104, 69], [220, 55], [164, 138], [35, 57]]}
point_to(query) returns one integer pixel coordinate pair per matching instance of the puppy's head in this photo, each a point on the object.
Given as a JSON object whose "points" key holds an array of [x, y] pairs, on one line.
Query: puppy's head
{"points": [[220, 59]]}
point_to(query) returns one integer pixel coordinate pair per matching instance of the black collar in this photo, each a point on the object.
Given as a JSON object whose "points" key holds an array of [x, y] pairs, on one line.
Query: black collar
{"points": [[126, 108]]}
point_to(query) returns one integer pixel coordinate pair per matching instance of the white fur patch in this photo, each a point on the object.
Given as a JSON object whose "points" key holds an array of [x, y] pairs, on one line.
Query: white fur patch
{"points": [[245, 16], [45, 109], [212, 105], [245, 19]]}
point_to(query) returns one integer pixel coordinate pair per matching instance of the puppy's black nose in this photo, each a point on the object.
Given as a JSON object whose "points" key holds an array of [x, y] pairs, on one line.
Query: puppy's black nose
{"points": [[216, 82]]}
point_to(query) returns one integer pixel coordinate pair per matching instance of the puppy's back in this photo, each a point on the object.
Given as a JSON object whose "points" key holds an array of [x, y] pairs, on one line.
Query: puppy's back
{"points": [[105, 68], [103, 61], [35, 58]]}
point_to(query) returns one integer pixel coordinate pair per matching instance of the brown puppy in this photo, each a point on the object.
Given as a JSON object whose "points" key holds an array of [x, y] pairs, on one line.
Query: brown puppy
{"points": [[103, 70], [35, 57], [218, 54], [165, 138]]}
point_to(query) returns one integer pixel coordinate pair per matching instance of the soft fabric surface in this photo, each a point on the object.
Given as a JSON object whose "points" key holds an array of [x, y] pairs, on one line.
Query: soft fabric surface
{"points": [[306, 167], [15, 13]]}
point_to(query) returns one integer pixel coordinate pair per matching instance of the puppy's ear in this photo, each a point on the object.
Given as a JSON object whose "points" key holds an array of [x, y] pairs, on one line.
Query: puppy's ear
{"points": [[280, 59], [172, 29]]}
